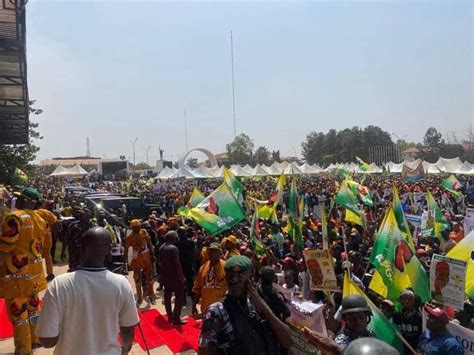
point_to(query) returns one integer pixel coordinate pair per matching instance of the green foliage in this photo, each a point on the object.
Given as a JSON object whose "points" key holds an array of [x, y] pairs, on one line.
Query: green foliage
{"points": [[262, 155], [343, 146], [192, 163], [20, 155], [240, 151]]}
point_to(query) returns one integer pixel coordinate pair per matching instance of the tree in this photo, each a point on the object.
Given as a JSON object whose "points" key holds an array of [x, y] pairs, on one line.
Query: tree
{"points": [[262, 155], [21, 155], [142, 166], [192, 163], [433, 139], [276, 156], [345, 145], [240, 150]]}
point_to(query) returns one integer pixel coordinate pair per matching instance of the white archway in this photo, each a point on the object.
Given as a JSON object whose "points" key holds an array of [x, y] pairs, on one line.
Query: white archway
{"points": [[210, 156]]}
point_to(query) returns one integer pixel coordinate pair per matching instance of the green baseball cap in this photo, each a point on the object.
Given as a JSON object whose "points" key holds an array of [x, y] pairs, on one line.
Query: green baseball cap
{"points": [[241, 261], [31, 194], [214, 246]]}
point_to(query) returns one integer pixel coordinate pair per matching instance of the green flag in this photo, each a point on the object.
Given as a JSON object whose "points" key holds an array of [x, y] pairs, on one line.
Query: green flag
{"points": [[324, 229], [379, 324], [346, 199], [21, 176], [440, 222], [235, 185], [294, 219], [416, 271], [218, 211], [396, 264], [452, 185]]}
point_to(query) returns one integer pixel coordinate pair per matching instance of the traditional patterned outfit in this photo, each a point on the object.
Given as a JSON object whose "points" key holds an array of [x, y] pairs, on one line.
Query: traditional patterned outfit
{"points": [[210, 283], [140, 242], [22, 276], [50, 220]]}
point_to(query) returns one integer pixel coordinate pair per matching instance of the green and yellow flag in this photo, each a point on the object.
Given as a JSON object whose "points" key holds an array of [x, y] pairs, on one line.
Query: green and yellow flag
{"points": [[235, 185], [268, 209], [383, 329], [348, 200], [194, 200], [295, 222], [255, 240], [324, 227], [21, 176], [360, 191], [440, 222], [363, 166], [218, 211], [396, 264], [452, 185]]}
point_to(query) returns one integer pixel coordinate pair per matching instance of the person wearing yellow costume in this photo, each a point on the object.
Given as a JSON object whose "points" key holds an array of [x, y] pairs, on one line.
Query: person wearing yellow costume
{"points": [[50, 220], [229, 244], [21, 268], [210, 285], [142, 260]]}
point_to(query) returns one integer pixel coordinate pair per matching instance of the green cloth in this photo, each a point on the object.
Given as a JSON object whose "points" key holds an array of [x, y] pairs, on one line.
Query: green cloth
{"points": [[241, 261]]}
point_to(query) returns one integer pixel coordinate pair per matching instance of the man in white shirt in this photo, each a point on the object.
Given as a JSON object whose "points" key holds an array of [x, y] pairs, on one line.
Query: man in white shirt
{"points": [[83, 311]]}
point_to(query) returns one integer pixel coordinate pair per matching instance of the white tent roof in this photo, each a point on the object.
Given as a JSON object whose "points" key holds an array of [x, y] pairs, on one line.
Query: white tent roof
{"points": [[373, 169], [260, 170], [202, 173], [467, 168], [292, 168], [74, 171], [165, 173], [219, 173], [58, 171], [238, 170], [449, 165]]}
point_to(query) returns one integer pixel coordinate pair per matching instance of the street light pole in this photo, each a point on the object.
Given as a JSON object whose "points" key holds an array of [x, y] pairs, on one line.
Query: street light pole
{"points": [[133, 144]]}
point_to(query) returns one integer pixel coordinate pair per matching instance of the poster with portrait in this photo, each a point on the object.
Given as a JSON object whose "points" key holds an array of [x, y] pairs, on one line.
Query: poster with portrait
{"points": [[448, 280], [469, 221], [321, 269]]}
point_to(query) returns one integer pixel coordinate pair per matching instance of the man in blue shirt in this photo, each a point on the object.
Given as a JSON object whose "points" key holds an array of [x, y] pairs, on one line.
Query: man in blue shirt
{"points": [[437, 340]]}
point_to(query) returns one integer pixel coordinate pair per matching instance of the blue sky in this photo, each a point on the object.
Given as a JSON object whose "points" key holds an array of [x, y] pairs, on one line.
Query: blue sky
{"points": [[118, 70]]}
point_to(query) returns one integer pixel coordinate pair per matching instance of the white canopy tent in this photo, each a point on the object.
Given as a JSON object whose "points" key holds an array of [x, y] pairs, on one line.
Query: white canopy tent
{"points": [[74, 172]]}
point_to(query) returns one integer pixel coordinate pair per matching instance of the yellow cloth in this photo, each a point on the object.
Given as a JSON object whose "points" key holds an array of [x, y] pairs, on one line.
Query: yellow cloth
{"points": [[141, 253], [50, 220], [22, 237], [232, 253], [210, 283]]}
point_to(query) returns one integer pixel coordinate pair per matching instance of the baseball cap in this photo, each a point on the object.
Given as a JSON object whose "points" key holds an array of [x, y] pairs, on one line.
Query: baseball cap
{"points": [[438, 313], [214, 246], [407, 293], [240, 261]]}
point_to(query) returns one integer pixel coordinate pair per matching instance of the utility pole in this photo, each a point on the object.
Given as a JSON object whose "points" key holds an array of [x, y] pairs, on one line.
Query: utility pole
{"points": [[133, 144], [233, 83], [147, 149], [186, 129]]}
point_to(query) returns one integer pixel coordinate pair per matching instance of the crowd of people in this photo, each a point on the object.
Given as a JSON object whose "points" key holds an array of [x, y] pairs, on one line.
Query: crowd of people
{"points": [[235, 288]]}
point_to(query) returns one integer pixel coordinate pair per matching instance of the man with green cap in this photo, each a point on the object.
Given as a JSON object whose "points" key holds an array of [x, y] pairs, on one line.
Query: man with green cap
{"points": [[241, 323], [21, 268]]}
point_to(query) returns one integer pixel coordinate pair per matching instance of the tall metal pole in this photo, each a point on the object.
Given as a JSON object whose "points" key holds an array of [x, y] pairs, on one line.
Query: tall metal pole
{"points": [[133, 144], [233, 84], [186, 129]]}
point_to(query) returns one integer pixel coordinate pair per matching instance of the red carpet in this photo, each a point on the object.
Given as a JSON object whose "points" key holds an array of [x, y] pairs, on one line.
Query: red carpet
{"points": [[6, 329], [156, 330]]}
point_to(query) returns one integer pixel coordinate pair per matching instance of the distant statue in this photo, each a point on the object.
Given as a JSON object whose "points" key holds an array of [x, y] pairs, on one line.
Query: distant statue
{"points": [[161, 153]]}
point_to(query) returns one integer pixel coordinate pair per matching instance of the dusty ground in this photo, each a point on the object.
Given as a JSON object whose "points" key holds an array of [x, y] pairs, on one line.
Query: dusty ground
{"points": [[7, 347]]}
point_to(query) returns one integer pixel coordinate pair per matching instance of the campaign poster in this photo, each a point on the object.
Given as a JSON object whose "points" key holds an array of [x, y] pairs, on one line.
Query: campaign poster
{"points": [[448, 280], [321, 269]]}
